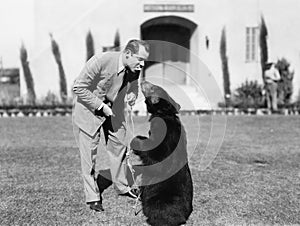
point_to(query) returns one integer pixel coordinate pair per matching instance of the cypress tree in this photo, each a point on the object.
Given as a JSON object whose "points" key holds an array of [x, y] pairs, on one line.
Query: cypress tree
{"points": [[225, 70], [117, 41], [263, 35], [31, 97], [62, 76], [90, 51]]}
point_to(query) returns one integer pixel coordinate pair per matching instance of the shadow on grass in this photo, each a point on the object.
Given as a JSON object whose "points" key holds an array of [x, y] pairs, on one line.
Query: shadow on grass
{"points": [[104, 180]]}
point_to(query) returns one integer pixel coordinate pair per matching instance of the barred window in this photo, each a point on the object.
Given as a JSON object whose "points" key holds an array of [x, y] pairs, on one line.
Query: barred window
{"points": [[251, 44]]}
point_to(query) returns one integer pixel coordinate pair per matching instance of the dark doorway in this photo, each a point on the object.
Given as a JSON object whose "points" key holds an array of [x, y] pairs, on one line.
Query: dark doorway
{"points": [[170, 58]]}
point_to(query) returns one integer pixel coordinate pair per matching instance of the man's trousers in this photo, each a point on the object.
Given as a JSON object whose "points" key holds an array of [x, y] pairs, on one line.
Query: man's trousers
{"points": [[116, 149]]}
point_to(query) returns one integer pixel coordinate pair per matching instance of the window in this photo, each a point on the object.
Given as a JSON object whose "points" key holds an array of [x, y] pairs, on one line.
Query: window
{"points": [[251, 44]]}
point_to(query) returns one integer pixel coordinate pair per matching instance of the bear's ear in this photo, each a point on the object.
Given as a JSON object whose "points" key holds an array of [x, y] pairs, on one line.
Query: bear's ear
{"points": [[154, 99], [174, 104], [177, 107]]}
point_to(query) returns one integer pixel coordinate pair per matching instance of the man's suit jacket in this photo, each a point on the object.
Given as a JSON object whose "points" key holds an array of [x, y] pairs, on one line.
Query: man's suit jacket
{"points": [[91, 87]]}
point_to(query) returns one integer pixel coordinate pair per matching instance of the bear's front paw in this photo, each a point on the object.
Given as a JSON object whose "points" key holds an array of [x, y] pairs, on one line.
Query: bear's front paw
{"points": [[135, 144]]}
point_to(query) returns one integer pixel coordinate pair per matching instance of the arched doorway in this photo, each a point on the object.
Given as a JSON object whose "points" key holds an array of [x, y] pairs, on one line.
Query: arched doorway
{"points": [[170, 58]]}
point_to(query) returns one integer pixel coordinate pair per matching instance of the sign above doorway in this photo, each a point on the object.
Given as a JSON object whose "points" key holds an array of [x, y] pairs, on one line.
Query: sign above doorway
{"points": [[168, 8]]}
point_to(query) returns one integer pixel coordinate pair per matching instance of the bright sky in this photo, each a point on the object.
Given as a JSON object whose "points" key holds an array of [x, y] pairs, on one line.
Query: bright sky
{"points": [[17, 26]]}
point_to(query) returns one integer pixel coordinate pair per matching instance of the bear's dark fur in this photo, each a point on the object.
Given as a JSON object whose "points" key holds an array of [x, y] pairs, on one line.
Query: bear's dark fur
{"points": [[167, 188]]}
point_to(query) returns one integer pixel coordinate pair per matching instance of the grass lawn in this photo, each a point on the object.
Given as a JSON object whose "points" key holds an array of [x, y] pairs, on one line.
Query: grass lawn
{"points": [[253, 180]]}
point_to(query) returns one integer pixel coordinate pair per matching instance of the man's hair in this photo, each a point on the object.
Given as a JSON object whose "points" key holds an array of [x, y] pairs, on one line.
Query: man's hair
{"points": [[268, 65], [134, 44]]}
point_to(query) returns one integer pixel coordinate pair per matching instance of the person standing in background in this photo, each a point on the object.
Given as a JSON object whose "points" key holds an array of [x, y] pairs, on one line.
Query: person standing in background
{"points": [[271, 77]]}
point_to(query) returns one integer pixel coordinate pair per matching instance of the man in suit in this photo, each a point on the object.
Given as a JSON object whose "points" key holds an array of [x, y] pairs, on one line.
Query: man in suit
{"points": [[271, 77], [100, 92]]}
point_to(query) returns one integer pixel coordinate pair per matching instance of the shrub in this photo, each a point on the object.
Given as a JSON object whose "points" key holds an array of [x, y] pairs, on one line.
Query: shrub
{"points": [[285, 85], [51, 99], [11, 101], [297, 102], [248, 95]]}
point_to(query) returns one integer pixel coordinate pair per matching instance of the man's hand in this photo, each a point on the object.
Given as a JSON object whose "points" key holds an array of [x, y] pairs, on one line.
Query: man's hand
{"points": [[131, 98], [107, 110], [104, 110]]}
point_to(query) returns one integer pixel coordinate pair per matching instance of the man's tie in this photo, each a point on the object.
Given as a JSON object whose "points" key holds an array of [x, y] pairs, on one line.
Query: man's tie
{"points": [[117, 84], [116, 95]]}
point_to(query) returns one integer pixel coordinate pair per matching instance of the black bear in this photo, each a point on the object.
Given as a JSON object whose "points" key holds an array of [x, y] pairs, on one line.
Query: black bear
{"points": [[166, 186]]}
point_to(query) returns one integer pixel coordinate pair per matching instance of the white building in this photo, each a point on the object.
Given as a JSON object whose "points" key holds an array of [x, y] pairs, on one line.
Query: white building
{"points": [[194, 24]]}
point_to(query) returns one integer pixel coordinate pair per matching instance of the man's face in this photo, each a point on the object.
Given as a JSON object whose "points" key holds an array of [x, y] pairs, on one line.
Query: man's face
{"points": [[136, 61]]}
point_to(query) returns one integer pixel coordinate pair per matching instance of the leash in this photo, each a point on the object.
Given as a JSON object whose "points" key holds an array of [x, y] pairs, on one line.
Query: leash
{"points": [[128, 153]]}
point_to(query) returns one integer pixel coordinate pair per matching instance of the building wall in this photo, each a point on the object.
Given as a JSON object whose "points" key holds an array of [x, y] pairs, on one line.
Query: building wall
{"points": [[70, 20], [9, 86]]}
